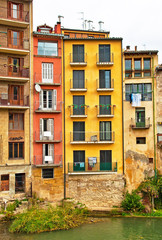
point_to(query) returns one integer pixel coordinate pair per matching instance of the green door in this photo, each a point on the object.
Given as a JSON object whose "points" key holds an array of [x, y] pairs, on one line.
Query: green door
{"points": [[78, 161], [140, 117], [105, 160]]}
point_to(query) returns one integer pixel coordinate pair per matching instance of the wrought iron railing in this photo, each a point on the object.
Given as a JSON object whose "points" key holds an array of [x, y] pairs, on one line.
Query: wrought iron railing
{"points": [[14, 14], [44, 79], [48, 106], [78, 84], [140, 123], [78, 110], [103, 84], [78, 58], [15, 43], [48, 136], [105, 110], [13, 100], [9, 71], [104, 59], [47, 160]]}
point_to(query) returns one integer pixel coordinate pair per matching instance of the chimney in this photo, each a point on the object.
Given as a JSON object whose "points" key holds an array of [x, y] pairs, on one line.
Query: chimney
{"points": [[135, 48], [58, 28], [127, 47]]}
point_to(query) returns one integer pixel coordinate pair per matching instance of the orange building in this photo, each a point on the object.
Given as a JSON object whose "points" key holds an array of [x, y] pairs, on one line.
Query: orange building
{"points": [[47, 113]]}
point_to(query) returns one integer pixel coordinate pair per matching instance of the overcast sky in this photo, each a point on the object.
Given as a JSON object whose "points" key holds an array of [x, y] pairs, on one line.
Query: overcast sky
{"points": [[138, 22]]}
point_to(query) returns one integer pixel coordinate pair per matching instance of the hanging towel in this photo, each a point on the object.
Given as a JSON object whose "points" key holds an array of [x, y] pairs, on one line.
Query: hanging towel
{"points": [[136, 100], [82, 164]]}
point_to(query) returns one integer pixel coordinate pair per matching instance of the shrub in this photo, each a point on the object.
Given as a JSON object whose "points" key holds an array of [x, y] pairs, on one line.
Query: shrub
{"points": [[132, 202]]}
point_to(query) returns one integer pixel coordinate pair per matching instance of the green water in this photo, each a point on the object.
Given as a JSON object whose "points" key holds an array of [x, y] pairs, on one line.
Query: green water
{"points": [[110, 229]]}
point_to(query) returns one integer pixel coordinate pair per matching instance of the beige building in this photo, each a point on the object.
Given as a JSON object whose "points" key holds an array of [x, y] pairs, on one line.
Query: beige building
{"points": [[139, 88], [15, 117], [159, 117]]}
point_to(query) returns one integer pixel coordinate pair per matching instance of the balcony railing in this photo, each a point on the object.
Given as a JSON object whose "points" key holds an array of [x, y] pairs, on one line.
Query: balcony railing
{"points": [[13, 100], [14, 14], [48, 136], [143, 123], [47, 80], [92, 166], [78, 85], [103, 85], [105, 110], [48, 160], [140, 73], [76, 59], [48, 106], [7, 71], [15, 43], [104, 60], [101, 137], [78, 111]]}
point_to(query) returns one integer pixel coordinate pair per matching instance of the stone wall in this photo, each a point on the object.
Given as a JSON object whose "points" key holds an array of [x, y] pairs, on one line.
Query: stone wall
{"points": [[97, 191]]}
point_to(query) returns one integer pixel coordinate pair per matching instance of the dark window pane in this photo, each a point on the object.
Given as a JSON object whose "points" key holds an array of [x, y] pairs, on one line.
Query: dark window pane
{"points": [[78, 53], [47, 173], [147, 64], [78, 105], [105, 105], [128, 64], [78, 131], [21, 150], [140, 140], [10, 150], [78, 79], [137, 64], [105, 160], [20, 182], [15, 150], [104, 53], [105, 79], [79, 160]]}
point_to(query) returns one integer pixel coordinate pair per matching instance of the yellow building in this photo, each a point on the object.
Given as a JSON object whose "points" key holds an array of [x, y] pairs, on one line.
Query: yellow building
{"points": [[139, 115], [93, 125], [15, 112]]}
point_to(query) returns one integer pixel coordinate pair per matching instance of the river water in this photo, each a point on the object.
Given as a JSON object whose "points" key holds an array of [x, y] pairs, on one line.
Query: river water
{"points": [[110, 229]]}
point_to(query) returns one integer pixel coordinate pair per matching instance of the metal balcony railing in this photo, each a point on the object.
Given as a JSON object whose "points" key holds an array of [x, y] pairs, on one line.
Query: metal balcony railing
{"points": [[76, 85], [78, 59], [8, 71], [48, 106], [44, 79], [13, 100], [103, 85], [78, 111], [135, 73], [15, 43], [104, 59], [143, 123], [47, 160], [14, 14], [92, 166], [48, 136], [106, 110], [92, 137]]}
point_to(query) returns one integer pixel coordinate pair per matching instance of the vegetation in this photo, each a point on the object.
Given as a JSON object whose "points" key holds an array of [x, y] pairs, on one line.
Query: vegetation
{"points": [[132, 202], [40, 220]]}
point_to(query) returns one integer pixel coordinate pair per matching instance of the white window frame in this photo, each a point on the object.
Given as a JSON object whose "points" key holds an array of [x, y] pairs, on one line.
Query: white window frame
{"points": [[50, 157], [54, 100], [49, 134], [47, 73]]}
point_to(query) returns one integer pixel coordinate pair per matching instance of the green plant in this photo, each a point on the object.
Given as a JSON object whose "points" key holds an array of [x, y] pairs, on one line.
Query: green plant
{"points": [[132, 202]]}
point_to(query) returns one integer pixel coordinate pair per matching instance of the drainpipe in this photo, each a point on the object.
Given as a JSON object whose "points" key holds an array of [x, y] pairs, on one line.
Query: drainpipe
{"points": [[30, 121], [122, 106], [154, 131], [64, 121]]}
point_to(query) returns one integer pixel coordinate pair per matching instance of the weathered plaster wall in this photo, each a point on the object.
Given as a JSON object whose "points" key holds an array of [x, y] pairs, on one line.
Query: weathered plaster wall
{"points": [[96, 191]]}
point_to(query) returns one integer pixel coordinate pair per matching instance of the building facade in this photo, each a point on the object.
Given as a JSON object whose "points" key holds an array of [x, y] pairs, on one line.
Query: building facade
{"points": [[93, 125], [139, 115], [47, 115], [15, 80]]}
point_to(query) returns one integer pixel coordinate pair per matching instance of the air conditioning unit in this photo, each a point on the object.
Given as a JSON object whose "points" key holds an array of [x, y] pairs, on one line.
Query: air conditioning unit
{"points": [[94, 138]]}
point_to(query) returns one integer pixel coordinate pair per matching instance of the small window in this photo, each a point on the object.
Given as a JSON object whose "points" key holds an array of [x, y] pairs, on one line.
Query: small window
{"points": [[4, 182], [47, 173], [16, 121], [140, 140], [150, 160], [19, 182]]}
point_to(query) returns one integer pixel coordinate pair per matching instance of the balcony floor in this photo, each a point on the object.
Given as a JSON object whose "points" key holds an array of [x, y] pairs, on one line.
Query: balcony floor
{"points": [[90, 142], [13, 23], [14, 51]]}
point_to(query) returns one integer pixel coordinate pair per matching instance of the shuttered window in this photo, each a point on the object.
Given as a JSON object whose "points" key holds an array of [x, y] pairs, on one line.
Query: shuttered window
{"points": [[105, 131], [47, 72], [48, 99], [78, 53], [105, 79], [78, 79], [104, 53], [48, 153], [46, 129], [78, 103]]}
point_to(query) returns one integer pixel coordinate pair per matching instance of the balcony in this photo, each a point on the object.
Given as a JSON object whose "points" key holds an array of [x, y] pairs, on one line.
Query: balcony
{"points": [[6, 73], [16, 46], [140, 73], [104, 86], [105, 110], [48, 137], [45, 161], [78, 60], [82, 137], [140, 124], [13, 17], [48, 107], [13, 101], [104, 60], [49, 81], [93, 166], [78, 111], [78, 86]]}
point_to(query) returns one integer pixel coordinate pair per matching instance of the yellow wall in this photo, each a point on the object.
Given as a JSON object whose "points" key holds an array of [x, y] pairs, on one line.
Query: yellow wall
{"points": [[92, 98]]}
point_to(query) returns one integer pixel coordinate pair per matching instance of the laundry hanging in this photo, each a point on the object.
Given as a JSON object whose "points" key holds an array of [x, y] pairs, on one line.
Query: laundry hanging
{"points": [[136, 100]]}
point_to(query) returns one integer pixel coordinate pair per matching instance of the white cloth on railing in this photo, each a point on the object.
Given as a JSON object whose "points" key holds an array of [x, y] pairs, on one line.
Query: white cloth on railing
{"points": [[136, 100]]}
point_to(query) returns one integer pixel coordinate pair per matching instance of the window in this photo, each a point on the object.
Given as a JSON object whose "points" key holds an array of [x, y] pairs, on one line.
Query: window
{"points": [[147, 67], [47, 173], [46, 129], [16, 150], [15, 39], [48, 153], [15, 10], [105, 105], [19, 182], [105, 160], [47, 72], [48, 99], [4, 183], [15, 66], [145, 89], [140, 117], [137, 67], [47, 48], [104, 53], [78, 53], [104, 79], [128, 68], [140, 140], [16, 121], [78, 79], [78, 131], [105, 131], [16, 95], [78, 105], [79, 160], [151, 160]]}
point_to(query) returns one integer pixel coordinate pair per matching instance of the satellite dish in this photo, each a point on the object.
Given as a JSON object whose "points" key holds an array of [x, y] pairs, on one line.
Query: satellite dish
{"points": [[37, 88]]}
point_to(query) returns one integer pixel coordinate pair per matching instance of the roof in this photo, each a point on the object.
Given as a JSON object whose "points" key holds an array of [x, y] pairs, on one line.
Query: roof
{"points": [[48, 34], [94, 39], [81, 30], [151, 52]]}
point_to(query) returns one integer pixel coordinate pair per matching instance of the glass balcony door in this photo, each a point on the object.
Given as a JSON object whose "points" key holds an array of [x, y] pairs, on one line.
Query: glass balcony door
{"points": [[105, 160]]}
